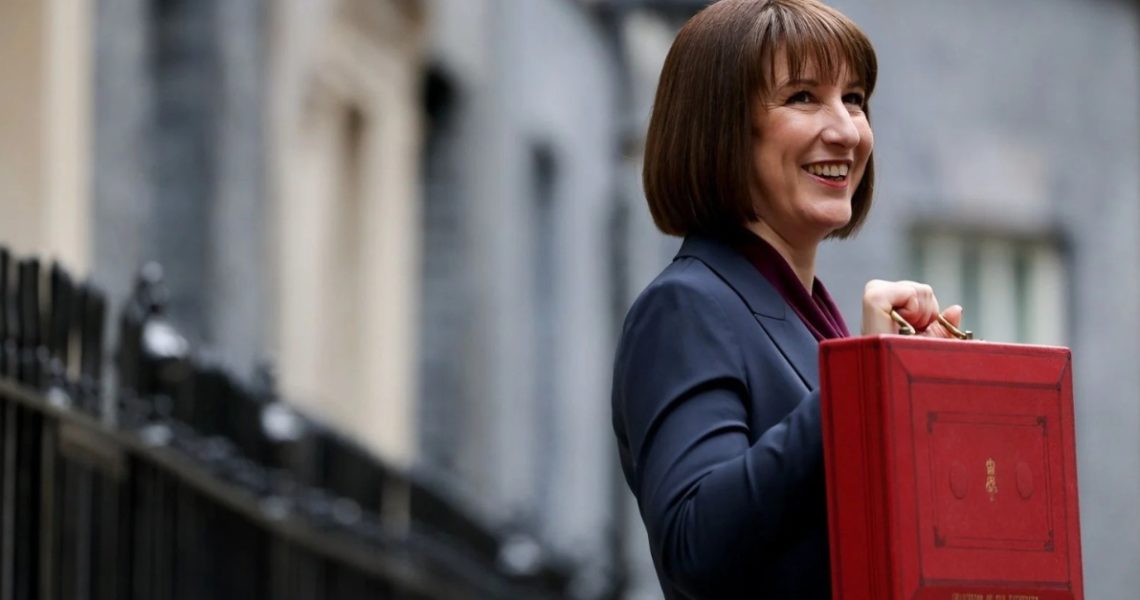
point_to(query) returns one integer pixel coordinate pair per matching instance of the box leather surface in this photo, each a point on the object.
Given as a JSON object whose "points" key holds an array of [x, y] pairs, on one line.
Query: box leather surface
{"points": [[951, 470]]}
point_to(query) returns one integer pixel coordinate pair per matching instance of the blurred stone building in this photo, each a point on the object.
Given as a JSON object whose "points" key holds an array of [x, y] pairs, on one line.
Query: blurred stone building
{"points": [[428, 214]]}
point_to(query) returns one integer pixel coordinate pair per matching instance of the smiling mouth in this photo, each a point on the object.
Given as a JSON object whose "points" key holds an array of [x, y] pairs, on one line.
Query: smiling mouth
{"points": [[831, 171]]}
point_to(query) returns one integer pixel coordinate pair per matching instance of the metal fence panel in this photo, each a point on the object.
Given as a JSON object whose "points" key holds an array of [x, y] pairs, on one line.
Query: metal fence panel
{"points": [[196, 484]]}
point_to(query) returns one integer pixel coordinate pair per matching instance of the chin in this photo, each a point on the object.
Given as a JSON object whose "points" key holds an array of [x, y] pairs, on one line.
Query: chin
{"points": [[833, 221]]}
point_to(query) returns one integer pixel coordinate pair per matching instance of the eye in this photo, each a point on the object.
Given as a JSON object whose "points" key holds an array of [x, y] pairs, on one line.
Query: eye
{"points": [[800, 97], [855, 99]]}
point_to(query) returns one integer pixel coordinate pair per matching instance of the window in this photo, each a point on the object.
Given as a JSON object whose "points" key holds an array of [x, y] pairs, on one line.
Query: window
{"points": [[546, 313], [445, 407], [1013, 288]]}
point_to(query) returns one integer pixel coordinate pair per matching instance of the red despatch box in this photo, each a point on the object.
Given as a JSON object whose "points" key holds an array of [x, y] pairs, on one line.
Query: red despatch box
{"points": [[951, 470]]}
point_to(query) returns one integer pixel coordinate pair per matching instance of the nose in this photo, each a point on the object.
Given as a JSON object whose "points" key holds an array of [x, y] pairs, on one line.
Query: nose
{"points": [[840, 129]]}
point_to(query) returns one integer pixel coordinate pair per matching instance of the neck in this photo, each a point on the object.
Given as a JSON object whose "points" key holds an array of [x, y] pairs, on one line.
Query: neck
{"points": [[800, 256]]}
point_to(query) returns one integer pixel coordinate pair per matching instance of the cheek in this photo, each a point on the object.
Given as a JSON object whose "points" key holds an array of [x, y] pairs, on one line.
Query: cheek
{"points": [[866, 138], [764, 168]]}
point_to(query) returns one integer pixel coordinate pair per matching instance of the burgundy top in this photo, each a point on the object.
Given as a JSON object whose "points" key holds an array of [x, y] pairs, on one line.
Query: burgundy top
{"points": [[816, 310]]}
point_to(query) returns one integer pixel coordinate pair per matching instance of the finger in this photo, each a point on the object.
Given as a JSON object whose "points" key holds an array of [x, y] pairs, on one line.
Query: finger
{"points": [[887, 295], [954, 315], [879, 297], [921, 308], [915, 303]]}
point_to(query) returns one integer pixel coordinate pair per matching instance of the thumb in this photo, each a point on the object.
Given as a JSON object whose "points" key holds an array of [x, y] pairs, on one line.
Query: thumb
{"points": [[954, 315]]}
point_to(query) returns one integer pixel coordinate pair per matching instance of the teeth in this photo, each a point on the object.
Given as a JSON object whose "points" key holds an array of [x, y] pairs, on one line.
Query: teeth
{"points": [[828, 169]]}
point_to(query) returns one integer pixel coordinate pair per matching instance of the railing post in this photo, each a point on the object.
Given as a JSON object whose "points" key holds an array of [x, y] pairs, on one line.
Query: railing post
{"points": [[47, 533], [7, 318], [8, 499], [61, 316], [32, 352], [93, 320]]}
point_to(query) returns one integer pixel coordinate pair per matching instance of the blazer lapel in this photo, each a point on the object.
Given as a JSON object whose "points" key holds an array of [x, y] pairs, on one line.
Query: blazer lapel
{"points": [[797, 344], [789, 334]]}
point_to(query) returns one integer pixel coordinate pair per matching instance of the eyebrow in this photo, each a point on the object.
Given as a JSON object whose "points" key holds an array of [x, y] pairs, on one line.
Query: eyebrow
{"points": [[795, 82]]}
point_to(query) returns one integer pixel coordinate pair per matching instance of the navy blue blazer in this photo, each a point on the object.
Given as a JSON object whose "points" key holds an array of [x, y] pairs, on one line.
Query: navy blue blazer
{"points": [[716, 411]]}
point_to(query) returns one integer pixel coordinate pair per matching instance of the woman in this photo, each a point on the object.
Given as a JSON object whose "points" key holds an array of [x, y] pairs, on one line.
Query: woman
{"points": [[759, 148]]}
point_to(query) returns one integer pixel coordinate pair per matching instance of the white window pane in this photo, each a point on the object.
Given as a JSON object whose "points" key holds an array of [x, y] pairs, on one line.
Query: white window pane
{"points": [[942, 253], [1048, 295], [1013, 290], [997, 315]]}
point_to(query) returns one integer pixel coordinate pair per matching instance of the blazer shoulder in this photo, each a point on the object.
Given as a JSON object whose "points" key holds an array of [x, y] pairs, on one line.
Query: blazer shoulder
{"points": [[689, 301], [677, 336], [686, 283]]}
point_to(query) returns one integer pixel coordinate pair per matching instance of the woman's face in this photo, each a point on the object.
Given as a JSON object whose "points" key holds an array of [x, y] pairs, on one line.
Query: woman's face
{"points": [[811, 142]]}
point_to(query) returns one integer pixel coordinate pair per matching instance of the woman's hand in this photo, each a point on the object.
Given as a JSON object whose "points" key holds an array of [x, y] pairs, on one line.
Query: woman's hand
{"points": [[915, 302]]}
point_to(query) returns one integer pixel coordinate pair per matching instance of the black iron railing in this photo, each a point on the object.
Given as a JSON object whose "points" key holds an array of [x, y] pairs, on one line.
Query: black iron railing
{"points": [[176, 480]]}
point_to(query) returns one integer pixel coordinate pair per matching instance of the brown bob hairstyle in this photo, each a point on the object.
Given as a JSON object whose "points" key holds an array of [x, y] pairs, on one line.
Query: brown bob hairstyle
{"points": [[698, 150]]}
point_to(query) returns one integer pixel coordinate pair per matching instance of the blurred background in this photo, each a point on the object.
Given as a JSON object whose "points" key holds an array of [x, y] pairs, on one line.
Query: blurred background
{"points": [[427, 215]]}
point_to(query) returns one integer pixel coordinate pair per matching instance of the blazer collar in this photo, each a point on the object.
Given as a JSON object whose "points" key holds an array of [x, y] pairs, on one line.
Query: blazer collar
{"points": [[785, 328], [738, 273]]}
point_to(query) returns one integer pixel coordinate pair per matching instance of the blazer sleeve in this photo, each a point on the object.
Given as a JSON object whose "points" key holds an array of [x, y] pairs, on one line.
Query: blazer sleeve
{"points": [[713, 503]]}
